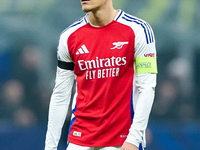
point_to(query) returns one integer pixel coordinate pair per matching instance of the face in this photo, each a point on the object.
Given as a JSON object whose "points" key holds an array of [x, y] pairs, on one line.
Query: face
{"points": [[92, 5]]}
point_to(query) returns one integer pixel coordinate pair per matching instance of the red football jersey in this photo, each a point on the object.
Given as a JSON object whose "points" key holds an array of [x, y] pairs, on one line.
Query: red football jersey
{"points": [[104, 75], [104, 69]]}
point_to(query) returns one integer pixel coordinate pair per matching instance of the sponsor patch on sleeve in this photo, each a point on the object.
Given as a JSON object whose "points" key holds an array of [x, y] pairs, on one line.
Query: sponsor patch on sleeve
{"points": [[146, 65]]}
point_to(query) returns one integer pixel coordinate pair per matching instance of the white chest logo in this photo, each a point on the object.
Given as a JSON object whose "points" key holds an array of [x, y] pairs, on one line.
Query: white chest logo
{"points": [[118, 45], [82, 50]]}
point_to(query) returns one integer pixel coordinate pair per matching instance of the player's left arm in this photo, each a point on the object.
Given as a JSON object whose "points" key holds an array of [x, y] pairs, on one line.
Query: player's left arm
{"points": [[144, 85]]}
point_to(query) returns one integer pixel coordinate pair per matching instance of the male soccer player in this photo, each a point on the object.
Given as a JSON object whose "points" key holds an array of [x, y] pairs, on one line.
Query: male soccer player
{"points": [[112, 57]]}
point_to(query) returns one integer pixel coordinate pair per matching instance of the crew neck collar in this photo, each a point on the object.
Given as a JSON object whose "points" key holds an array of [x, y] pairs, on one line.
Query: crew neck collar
{"points": [[115, 19]]}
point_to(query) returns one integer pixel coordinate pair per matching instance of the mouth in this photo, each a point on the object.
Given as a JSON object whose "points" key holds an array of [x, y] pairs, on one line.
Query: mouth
{"points": [[84, 1]]}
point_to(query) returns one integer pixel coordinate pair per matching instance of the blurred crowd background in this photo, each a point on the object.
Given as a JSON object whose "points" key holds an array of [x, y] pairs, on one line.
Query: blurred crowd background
{"points": [[29, 33]]}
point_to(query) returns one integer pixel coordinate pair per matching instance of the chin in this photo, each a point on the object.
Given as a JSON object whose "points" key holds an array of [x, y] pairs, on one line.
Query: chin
{"points": [[86, 10]]}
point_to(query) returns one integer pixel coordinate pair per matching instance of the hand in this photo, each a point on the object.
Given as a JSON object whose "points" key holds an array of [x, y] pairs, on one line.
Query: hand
{"points": [[128, 146]]}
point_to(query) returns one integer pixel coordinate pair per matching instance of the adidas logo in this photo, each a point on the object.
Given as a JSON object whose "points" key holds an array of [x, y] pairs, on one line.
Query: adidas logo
{"points": [[82, 50]]}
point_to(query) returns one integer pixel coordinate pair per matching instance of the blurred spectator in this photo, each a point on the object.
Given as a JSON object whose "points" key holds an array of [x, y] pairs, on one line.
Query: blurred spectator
{"points": [[166, 102], [174, 94], [12, 98], [24, 117], [24, 100], [12, 105], [181, 70], [27, 73]]}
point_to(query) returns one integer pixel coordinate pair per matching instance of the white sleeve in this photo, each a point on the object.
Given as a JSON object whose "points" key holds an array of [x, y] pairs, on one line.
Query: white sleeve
{"points": [[60, 100], [143, 91]]}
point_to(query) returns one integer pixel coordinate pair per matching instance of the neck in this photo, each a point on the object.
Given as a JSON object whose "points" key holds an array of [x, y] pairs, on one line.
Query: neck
{"points": [[102, 16]]}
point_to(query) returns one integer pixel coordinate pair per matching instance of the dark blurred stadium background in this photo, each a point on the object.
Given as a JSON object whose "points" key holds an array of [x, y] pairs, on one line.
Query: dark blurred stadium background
{"points": [[29, 33]]}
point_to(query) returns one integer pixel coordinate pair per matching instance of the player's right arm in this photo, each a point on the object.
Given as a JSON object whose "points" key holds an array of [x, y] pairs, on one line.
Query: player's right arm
{"points": [[61, 96]]}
